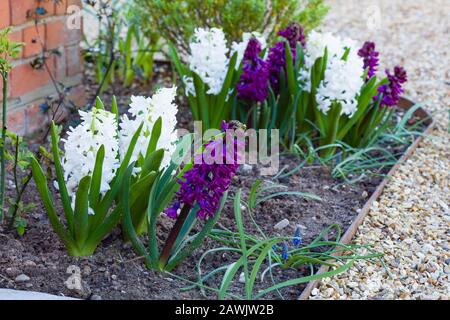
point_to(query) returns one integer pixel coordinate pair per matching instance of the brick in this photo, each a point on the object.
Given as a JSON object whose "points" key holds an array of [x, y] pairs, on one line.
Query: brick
{"points": [[32, 37], [59, 34], [74, 3], [60, 68], [25, 79], [22, 10], [25, 10], [61, 8], [74, 61], [34, 118], [15, 121], [55, 34], [4, 14], [77, 96]]}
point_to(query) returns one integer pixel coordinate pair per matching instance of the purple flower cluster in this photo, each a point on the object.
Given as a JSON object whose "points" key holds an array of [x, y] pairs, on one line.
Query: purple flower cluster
{"points": [[392, 90], [277, 57], [370, 57], [294, 33], [205, 183], [253, 83]]}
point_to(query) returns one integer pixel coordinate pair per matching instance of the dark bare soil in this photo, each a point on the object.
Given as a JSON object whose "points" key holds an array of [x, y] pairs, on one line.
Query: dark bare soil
{"points": [[116, 272]]}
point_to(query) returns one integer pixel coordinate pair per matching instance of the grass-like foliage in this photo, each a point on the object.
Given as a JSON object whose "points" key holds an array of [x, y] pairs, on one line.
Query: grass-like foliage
{"points": [[258, 257]]}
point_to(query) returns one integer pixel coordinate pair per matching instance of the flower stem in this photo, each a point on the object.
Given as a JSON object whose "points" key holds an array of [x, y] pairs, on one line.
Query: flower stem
{"points": [[173, 236], [3, 142]]}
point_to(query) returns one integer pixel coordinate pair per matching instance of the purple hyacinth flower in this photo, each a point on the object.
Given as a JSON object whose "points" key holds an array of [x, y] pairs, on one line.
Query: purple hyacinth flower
{"points": [[172, 211], [370, 57], [206, 182], [294, 33], [253, 83], [392, 90], [276, 61], [277, 57]]}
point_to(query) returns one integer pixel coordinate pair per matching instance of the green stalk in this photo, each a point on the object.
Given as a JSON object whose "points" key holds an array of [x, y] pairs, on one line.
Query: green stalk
{"points": [[3, 142], [333, 124], [165, 254]]}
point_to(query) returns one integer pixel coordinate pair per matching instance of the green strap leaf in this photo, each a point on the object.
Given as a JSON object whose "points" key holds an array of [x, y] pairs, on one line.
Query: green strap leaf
{"points": [[99, 104], [220, 111], [81, 212], [94, 190], [114, 218], [106, 203], [174, 261], [152, 162], [297, 281], [41, 185], [202, 100], [156, 133], [115, 108], [65, 198], [292, 84]]}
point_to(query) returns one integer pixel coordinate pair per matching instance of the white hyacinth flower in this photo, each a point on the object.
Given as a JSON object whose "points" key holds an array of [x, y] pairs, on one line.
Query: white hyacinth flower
{"points": [[147, 111], [97, 128], [242, 46], [189, 86], [208, 57], [343, 78]]}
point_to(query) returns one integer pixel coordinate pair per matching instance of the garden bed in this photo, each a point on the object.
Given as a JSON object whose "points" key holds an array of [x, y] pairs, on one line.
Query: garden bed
{"points": [[116, 272], [353, 228]]}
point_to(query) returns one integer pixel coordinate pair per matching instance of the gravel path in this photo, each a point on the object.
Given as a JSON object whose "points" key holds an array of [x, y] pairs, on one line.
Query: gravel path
{"points": [[411, 221]]}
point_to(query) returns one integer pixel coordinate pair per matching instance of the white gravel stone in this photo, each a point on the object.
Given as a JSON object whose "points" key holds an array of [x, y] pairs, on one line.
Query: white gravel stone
{"points": [[282, 224], [22, 278]]}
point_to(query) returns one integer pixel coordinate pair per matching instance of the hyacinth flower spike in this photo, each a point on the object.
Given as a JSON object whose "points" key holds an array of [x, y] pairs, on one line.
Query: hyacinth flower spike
{"points": [[87, 199], [198, 192], [383, 107]]}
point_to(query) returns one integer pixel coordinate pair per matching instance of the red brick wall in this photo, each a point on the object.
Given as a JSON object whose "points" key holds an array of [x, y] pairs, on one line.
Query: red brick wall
{"points": [[29, 87]]}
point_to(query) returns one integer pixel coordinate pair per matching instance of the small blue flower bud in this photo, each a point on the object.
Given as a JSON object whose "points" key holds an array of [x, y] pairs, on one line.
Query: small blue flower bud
{"points": [[297, 237], [285, 250]]}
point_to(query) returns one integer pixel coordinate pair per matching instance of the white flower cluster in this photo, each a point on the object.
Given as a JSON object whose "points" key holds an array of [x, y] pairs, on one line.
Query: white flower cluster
{"points": [[98, 127], [343, 78], [147, 111], [209, 57]]}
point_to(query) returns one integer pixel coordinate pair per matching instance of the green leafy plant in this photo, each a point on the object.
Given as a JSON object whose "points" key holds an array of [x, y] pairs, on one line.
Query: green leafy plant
{"points": [[209, 107], [177, 19], [121, 50], [321, 92], [196, 196], [20, 159], [83, 231], [259, 257], [179, 243], [8, 50]]}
